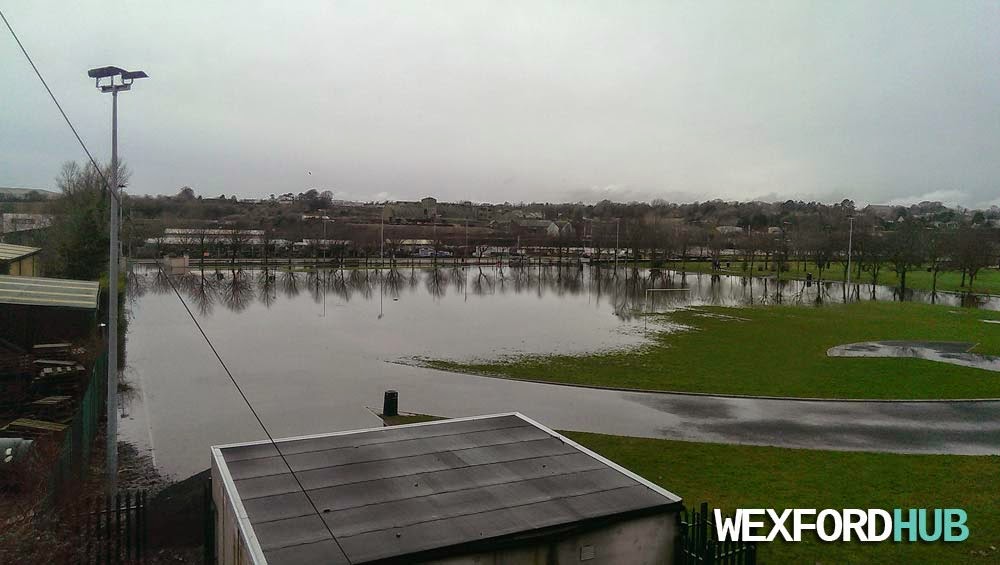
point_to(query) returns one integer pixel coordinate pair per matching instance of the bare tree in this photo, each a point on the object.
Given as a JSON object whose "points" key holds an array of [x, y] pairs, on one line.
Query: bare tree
{"points": [[905, 250], [972, 251]]}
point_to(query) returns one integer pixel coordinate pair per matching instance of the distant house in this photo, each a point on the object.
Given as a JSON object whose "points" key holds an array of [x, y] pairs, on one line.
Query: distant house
{"points": [[425, 209], [542, 228], [18, 260], [565, 228], [11, 223]]}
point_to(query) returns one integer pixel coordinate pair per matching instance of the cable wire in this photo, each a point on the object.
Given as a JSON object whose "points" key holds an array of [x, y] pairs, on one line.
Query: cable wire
{"points": [[250, 406], [194, 319], [114, 193]]}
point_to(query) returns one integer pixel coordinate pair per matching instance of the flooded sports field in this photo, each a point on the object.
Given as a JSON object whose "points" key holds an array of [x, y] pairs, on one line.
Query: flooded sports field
{"points": [[314, 351]]}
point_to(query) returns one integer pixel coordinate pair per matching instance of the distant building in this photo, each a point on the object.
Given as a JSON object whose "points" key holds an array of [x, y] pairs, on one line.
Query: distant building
{"points": [[565, 229], [37, 310], [18, 260], [546, 228], [729, 230], [425, 209], [10, 222], [212, 236], [322, 243]]}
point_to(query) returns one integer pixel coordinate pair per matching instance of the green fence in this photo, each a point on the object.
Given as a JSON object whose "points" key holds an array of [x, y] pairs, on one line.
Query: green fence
{"points": [[698, 543], [113, 529], [78, 441]]}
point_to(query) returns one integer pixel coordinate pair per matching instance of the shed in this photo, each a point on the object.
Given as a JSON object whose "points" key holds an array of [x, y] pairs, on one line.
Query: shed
{"points": [[487, 489], [18, 260], [37, 310]]}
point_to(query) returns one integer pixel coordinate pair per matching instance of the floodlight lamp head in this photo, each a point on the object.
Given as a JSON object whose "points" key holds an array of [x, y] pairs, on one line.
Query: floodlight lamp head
{"points": [[105, 72], [109, 73], [129, 76]]}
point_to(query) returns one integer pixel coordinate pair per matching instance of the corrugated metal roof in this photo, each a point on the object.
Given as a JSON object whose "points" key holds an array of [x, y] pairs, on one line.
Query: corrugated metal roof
{"points": [[10, 252], [407, 491], [35, 291]]}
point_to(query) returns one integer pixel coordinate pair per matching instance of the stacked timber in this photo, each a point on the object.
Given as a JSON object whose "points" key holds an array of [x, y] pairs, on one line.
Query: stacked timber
{"points": [[56, 378], [15, 376]]}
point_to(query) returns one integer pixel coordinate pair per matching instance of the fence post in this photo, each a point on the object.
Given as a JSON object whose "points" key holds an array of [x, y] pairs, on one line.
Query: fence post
{"points": [[96, 530], [140, 524], [703, 527], [128, 525], [145, 530]]}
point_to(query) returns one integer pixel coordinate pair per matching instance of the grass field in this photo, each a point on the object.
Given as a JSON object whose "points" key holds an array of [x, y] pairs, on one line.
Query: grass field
{"points": [[779, 351], [732, 476], [987, 281]]}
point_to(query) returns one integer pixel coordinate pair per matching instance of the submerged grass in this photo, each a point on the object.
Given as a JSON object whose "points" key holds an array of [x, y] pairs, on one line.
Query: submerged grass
{"points": [[779, 351], [987, 281], [735, 476]]}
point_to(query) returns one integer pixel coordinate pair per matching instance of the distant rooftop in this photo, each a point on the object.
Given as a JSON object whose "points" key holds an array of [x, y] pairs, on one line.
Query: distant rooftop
{"points": [[33, 291], [10, 252], [410, 493]]}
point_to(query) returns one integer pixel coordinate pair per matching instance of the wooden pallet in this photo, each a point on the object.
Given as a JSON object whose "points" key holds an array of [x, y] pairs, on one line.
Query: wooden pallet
{"points": [[31, 428], [13, 359], [53, 408], [54, 381], [60, 351]]}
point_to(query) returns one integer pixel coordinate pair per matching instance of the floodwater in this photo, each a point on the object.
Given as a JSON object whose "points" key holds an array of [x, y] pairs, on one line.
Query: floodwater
{"points": [[315, 352], [952, 352]]}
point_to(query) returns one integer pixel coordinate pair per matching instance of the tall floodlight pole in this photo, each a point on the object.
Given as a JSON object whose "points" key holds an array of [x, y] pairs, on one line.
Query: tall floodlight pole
{"points": [[113, 80], [850, 241]]}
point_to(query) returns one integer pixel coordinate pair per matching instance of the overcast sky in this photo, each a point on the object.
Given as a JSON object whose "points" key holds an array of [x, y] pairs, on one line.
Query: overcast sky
{"points": [[519, 101]]}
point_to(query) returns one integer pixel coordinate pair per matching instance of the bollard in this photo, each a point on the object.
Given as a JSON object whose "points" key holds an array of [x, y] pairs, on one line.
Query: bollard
{"points": [[390, 404]]}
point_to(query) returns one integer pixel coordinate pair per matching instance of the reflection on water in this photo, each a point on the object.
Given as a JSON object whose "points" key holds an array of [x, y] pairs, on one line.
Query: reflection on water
{"points": [[314, 349], [629, 291]]}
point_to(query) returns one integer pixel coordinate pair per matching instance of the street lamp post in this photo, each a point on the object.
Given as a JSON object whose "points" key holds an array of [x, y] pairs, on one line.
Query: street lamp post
{"points": [[113, 80], [850, 241]]}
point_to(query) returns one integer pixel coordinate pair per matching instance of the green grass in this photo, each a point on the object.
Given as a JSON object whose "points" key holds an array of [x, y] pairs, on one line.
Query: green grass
{"points": [[987, 280], [779, 351], [733, 476]]}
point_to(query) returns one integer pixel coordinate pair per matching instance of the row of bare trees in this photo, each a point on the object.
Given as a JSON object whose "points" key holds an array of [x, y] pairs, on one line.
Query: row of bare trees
{"points": [[866, 247]]}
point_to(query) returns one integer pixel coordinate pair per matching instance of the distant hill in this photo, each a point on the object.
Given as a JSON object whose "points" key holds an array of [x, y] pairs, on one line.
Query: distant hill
{"points": [[22, 192]]}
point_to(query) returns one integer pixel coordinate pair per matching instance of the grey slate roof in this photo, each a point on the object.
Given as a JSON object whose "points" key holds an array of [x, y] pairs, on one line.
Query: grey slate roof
{"points": [[35, 291], [391, 494]]}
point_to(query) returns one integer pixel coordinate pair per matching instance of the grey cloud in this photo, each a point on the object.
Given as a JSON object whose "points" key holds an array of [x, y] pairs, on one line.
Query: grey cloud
{"points": [[521, 100]]}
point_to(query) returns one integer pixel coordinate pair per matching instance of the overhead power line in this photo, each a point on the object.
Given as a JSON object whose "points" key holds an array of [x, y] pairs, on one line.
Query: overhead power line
{"points": [[72, 128], [194, 319], [247, 401]]}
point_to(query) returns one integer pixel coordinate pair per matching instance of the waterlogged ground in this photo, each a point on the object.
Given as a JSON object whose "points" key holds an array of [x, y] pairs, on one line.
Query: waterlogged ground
{"points": [[314, 351], [783, 351]]}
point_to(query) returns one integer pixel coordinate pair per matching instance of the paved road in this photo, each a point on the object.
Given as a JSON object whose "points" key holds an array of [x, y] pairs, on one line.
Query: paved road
{"points": [[968, 428], [215, 417]]}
